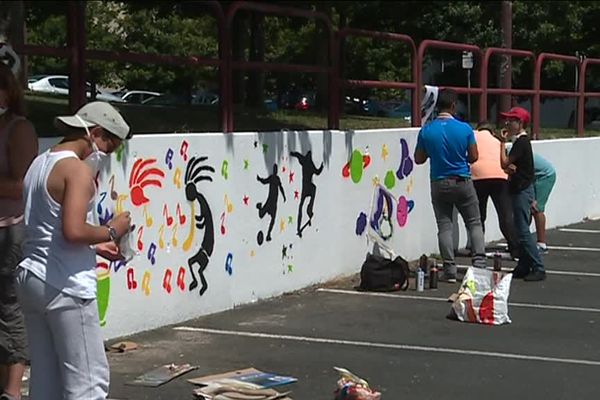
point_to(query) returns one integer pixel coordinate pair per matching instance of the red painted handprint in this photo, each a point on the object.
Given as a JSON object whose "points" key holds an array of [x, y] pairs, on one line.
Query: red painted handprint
{"points": [[141, 176]]}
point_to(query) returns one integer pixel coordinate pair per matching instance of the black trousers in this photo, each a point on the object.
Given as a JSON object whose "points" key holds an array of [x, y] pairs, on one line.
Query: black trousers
{"points": [[497, 189]]}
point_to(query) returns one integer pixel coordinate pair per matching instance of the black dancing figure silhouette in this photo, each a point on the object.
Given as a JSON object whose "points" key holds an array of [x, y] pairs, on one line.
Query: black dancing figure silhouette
{"points": [[204, 219], [308, 187], [270, 205]]}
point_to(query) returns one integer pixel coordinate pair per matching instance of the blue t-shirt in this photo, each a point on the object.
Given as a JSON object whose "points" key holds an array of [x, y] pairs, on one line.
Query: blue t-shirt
{"points": [[446, 141], [542, 167]]}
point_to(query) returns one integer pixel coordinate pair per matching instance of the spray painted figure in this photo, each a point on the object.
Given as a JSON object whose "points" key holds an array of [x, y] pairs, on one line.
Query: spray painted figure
{"points": [[270, 205], [308, 187], [204, 219]]}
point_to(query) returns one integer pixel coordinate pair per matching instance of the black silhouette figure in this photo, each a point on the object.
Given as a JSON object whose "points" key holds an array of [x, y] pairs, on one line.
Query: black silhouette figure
{"points": [[308, 187], [270, 205], [204, 220]]}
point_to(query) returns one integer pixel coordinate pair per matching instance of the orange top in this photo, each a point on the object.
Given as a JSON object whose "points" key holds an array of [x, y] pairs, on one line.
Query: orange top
{"points": [[488, 164]]}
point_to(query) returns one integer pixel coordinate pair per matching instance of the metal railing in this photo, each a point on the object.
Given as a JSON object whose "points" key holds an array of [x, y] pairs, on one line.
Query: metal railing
{"points": [[395, 37], [77, 54]]}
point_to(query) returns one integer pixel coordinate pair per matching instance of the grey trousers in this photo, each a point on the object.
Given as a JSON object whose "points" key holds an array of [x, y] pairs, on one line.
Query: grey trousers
{"points": [[446, 194], [68, 361], [13, 338]]}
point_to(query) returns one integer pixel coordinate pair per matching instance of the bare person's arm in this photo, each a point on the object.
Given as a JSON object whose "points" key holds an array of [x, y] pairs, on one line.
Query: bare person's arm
{"points": [[22, 149], [79, 190], [472, 153]]}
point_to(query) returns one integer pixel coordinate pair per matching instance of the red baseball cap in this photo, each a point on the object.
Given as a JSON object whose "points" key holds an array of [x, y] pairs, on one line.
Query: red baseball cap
{"points": [[519, 113]]}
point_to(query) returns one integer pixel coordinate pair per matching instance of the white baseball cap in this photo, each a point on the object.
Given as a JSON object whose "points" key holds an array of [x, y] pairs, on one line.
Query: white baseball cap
{"points": [[99, 113]]}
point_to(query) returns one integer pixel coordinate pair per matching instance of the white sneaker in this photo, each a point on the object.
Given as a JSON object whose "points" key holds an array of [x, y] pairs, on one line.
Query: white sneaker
{"points": [[542, 248]]}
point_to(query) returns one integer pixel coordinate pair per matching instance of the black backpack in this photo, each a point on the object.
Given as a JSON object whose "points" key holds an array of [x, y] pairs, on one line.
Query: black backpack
{"points": [[380, 274]]}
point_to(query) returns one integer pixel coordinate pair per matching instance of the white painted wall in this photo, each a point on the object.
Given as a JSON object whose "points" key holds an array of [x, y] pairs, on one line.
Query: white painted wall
{"points": [[328, 248]]}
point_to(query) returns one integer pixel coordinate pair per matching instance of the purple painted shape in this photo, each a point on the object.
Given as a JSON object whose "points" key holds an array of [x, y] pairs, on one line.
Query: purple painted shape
{"points": [[361, 223], [406, 163]]}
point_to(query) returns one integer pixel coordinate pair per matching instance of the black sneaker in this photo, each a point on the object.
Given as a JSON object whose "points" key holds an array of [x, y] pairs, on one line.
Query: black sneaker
{"points": [[535, 276], [519, 273]]}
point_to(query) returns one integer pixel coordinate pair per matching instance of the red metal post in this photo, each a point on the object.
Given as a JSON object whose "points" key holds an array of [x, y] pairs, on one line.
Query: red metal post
{"points": [[426, 44], [583, 94], [537, 79], [269, 8], [76, 45], [484, 75]]}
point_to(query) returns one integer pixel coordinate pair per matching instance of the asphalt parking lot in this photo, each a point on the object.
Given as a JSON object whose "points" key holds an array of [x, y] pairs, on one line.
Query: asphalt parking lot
{"points": [[401, 342]]}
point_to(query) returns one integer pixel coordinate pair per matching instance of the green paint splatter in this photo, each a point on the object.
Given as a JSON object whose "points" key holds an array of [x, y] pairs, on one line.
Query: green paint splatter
{"points": [[356, 166], [390, 180], [265, 148], [119, 151], [290, 268], [224, 168], [103, 294], [290, 220], [246, 164]]}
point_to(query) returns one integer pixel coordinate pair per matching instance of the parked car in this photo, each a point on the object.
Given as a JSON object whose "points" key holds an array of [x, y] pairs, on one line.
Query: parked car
{"points": [[389, 109], [298, 100], [136, 96], [59, 84]]}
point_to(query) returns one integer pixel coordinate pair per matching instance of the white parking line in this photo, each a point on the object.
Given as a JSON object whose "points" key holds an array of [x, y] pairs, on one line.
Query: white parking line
{"points": [[579, 230], [441, 299], [356, 343], [568, 248], [549, 272]]}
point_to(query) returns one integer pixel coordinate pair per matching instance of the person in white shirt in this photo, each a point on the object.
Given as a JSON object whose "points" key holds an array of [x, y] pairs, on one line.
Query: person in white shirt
{"points": [[56, 280]]}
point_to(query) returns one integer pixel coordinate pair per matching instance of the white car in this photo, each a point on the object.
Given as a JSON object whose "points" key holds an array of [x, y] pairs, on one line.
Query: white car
{"points": [[137, 96], [59, 84]]}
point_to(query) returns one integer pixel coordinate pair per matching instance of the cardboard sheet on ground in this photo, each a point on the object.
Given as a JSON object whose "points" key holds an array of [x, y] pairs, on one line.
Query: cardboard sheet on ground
{"points": [[228, 389], [249, 375], [161, 375]]}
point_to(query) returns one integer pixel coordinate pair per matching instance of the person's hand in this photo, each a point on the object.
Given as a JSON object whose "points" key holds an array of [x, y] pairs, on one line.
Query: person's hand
{"points": [[109, 250], [511, 169], [121, 223], [534, 207], [503, 135]]}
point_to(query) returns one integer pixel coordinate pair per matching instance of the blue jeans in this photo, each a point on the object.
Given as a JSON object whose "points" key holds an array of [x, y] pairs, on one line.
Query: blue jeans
{"points": [[529, 259]]}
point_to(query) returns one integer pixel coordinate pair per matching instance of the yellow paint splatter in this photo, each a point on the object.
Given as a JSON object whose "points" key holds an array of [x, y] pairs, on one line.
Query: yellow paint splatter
{"points": [[384, 152], [281, 225], [161, 237], [410, 185], [146, 283], [376, 181], [120, 200], [188, 242], [252, 253], [177, 178], [174, 238]]}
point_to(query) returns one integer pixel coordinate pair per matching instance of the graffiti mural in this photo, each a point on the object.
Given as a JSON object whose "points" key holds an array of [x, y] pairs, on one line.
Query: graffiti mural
{"points": [[270, 205], [309, 190], [195, 173]]}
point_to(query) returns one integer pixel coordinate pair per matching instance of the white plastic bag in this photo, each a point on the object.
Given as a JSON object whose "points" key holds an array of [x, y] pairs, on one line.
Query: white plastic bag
{"points": [[483, 297]]}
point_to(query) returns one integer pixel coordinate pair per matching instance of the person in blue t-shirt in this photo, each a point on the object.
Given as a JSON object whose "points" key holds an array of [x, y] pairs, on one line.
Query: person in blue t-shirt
{"points": [[545, 177], [450, 145]]}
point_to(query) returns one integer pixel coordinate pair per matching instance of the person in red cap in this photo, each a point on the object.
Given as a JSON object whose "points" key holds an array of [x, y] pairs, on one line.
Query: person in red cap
{"points": [[519, 165]]}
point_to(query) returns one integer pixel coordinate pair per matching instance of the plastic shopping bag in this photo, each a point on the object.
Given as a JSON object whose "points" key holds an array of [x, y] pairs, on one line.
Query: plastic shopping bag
{"points": [[483, 297]]}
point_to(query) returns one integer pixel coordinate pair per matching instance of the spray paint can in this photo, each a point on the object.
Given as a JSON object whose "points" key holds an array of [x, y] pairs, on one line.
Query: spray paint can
{"points": [[420, 280], [497, 262], [433, 276]]}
